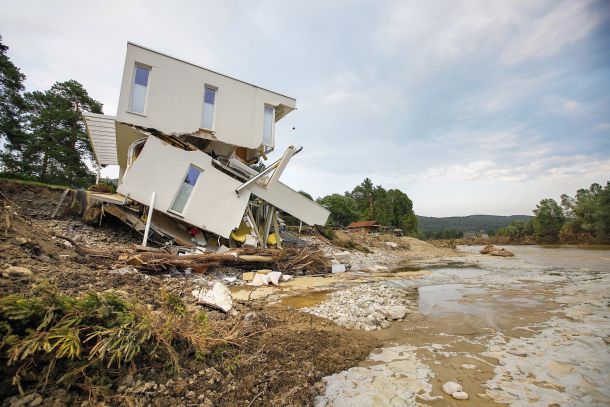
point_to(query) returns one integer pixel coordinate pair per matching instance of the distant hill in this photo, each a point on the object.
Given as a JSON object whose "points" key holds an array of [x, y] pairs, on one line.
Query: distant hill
{"points": [[472, 223]]}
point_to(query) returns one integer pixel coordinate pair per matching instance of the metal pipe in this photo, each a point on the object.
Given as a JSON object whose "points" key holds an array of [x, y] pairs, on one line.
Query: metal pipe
{"points": [[264, 172], [149, 218]]}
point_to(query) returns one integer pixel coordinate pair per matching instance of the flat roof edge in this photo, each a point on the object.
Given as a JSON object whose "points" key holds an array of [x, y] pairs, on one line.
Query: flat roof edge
{"points": [[209, 70]]}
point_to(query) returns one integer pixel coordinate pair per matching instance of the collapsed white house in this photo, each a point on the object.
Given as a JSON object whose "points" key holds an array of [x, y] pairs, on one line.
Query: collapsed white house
{"points": [[183, 137]]}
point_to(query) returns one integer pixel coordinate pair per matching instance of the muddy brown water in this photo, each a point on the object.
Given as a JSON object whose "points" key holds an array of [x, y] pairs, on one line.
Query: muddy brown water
{"points": [[461, 311]]}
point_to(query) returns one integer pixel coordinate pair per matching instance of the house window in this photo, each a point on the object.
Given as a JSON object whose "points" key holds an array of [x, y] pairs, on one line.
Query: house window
{"points": [[186, 189], [138, 90], [209, 99], [268, 124]]}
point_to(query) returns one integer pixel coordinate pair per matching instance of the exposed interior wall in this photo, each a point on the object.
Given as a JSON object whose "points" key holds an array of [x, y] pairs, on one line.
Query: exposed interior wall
{"points": [[160, 167], [175, 99], [125, 137]]}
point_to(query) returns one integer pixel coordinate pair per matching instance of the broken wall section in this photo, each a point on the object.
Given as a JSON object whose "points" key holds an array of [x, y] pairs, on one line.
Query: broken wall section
{"points": [[212, 204]]}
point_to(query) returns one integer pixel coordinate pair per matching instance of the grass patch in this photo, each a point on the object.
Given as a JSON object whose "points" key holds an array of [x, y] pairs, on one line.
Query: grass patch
{"points": [[33, 183], [48, 338]]}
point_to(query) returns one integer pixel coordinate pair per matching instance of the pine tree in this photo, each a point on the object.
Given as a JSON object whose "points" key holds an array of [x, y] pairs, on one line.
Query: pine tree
{"points": [[12, 135], [58, 147]]}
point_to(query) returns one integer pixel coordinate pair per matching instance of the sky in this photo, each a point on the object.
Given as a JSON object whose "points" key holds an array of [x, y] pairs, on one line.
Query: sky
{"points": [[469, 107]]}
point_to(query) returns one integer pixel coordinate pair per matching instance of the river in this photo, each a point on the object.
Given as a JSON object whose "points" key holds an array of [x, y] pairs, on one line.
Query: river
{"points": [[530, 330]]}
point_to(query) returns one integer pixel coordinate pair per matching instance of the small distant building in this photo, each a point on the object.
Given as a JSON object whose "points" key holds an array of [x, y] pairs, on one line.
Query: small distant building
{"points": [[365, 225], [469, 235]]}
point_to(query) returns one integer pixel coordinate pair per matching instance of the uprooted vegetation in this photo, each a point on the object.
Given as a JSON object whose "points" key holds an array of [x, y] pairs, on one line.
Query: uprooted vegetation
{"points": [[49, 338]]}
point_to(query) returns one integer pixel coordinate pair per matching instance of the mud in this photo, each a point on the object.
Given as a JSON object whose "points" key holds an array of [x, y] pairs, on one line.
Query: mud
{"points": [[527, 331]]}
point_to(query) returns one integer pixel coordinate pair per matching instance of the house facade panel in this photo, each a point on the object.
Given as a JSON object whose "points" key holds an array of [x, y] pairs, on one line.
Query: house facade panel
{"points": [[174, 99]]}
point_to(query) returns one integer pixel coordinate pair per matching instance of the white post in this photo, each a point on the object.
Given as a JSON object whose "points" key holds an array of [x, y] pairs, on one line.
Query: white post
{"points": [[300, 226], [97, 176], [150, 214]]}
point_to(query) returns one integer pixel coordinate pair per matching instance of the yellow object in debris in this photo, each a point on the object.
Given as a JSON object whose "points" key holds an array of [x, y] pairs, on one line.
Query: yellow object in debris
{"points": [[272, 239], [239, 234]]}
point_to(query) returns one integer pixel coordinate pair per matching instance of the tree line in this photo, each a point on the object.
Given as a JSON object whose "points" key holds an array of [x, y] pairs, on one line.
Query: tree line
{"points": [[584, 217], [391, 208], [42, 133]]}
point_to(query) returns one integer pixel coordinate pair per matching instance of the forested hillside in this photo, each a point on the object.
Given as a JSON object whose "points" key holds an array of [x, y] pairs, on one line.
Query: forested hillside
{"points": [[472, 223]]}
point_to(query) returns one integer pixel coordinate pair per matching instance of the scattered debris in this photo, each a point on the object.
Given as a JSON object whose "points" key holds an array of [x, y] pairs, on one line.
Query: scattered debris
{"points": [[392, 245]]}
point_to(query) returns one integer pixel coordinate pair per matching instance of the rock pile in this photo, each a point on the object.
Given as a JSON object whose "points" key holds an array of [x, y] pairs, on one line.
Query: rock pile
{"points": [[367, 306], [455, 390], [496, 251]]}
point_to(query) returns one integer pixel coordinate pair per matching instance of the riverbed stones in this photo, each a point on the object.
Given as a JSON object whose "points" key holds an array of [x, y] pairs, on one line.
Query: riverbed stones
{"points": [[368, 306], [460, 395], [452, 387]]}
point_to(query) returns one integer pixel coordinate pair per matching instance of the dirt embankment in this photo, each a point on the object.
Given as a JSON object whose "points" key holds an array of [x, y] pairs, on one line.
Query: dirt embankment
{"points": [[275, 357], [377, 252]]}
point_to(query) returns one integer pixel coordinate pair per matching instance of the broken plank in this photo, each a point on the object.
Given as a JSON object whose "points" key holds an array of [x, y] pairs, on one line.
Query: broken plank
{"points": [[61, 200]]}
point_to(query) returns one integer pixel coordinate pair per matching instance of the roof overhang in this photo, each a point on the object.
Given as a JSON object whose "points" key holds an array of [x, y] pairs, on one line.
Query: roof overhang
{"points": [[102, 135]]}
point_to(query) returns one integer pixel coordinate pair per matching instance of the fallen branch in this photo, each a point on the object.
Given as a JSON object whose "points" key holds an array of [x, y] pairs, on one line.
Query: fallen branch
{"points": [[160, 261], [85, 251]]}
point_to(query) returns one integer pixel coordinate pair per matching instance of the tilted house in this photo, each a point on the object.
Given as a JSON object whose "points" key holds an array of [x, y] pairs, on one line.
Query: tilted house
{"points": [[183, 137]]}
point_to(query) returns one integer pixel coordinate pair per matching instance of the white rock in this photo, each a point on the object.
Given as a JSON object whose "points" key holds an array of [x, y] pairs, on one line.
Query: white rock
{"points": [[17, 271], [338, 268], [468, 366], [460, 395], [217, 296], [392, 245], [286, 277], [260, 279], [452, 387], [380, 268], [125, 270], [274, 277]]}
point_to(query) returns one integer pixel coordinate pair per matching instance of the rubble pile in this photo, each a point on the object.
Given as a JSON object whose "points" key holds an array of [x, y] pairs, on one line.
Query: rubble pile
{"points": [[367, 306]]}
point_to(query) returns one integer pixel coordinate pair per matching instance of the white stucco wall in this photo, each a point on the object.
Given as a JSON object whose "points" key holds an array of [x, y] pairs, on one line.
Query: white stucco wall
{"points": [[160, 167], [175, 99]]}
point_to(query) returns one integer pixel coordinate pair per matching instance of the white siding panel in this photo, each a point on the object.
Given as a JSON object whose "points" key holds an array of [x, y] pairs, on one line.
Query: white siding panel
{"points": [[102, 134], [212, 205]]}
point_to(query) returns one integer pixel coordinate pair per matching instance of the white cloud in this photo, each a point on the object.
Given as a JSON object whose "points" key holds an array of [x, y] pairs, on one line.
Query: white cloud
{"points": [[550, 169], [433, 32], [351, 92], [566, 23]]}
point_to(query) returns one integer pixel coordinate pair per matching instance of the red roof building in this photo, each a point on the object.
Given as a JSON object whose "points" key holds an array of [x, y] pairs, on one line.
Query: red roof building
{"points": [[365, 224]]}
